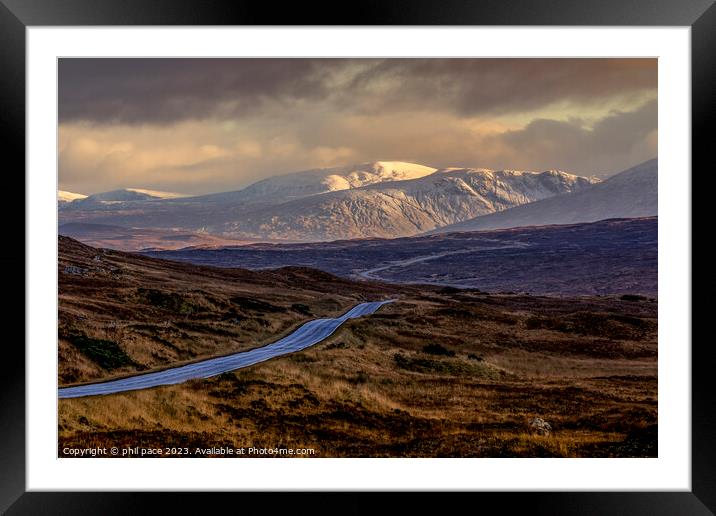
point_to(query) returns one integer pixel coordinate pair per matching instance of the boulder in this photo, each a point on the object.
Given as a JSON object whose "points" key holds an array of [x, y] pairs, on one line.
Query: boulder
{"points": [[78, 271], [540, 427]]}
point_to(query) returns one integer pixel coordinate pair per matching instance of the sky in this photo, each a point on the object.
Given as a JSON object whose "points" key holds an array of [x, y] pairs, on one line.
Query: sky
{"points": [[198, 126]]}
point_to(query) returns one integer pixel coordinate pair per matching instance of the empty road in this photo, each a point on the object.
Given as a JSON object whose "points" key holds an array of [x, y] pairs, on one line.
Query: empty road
{"points": [[307, 335]]}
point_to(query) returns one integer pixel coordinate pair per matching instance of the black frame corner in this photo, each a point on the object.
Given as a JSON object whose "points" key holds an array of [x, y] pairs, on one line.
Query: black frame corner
{"points": [[17, 15]]}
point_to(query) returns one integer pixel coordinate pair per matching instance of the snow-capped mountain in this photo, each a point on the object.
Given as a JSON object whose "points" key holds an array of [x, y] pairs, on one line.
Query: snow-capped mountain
{"points": [[203, 211], [377, 199], [131, 194], [117, 199], [296, 185], [631, 193], [313, 182], [402, 208], [63, 196]]}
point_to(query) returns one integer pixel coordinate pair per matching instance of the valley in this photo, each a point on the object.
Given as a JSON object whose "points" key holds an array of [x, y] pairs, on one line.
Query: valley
{"points": [[440, 372], [359, 257], [515, 297], [600, 258], [121, 313]]}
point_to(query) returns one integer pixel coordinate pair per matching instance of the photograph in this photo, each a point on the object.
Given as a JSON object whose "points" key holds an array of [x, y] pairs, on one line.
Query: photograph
{"points": [[313, 257]]}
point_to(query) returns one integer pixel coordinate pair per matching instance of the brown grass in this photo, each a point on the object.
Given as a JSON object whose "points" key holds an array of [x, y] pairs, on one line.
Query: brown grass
{"points": [[351, 396], [162, 313]]}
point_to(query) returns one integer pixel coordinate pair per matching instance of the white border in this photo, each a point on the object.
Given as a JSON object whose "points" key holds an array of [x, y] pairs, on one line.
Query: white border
{"points": [[670, 471]]}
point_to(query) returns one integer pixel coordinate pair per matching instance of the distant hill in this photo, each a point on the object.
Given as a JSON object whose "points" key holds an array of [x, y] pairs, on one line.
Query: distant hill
{"points": [[121, 312], [632, 193], [377, 199], [125, 195], [401, 208], [306, 183], [137, 239], [616, 256], [64, 197]]}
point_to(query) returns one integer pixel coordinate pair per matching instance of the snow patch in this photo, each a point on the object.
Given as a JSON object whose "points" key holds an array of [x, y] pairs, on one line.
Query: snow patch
{"points": [[157, 194], [64, 196]]}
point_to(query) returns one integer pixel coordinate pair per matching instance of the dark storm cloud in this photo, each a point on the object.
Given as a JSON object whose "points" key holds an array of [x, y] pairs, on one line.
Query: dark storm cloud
{"points": [[207, 125], [164, 91], [471, 87], [604, 148]]}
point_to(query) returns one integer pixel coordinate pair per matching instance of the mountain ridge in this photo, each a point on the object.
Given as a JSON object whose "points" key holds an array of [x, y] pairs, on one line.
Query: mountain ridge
{"points": [[628, 194], [64, 196], [384, 199], [403, 208]]}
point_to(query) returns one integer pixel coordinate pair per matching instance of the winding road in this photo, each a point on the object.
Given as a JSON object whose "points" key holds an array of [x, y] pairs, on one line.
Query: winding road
{"points": [[371, 274], [307, 335]]}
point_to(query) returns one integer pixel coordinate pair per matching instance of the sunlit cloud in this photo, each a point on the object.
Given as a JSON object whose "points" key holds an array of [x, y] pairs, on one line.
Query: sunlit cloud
{"points": [[200, 126]]}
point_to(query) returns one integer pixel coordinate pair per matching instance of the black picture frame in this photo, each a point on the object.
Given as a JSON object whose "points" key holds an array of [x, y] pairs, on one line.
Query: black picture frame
{"points": [[17, 15]]}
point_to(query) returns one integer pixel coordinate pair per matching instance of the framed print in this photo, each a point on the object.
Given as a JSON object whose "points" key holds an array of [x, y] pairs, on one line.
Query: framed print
{"points": [[433, 250]]}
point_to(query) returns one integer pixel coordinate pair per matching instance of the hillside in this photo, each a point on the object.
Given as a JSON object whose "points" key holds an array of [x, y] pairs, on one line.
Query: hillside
{"points": [[632, 193], [608, 257], [121, 312], [296, 185], [439, 372], [435, 374], [405, 208], [379, 199], [138, 239], [122, 196], [65, 197]]}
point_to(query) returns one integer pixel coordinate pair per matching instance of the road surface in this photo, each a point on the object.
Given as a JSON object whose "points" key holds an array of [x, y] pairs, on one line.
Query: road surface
{"points": [[372, 274], [307, 335]]}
